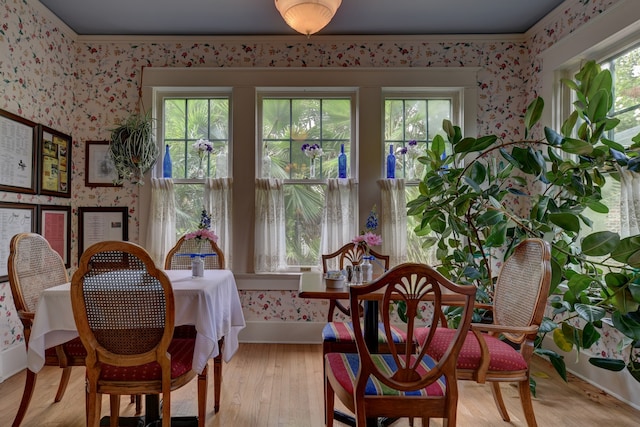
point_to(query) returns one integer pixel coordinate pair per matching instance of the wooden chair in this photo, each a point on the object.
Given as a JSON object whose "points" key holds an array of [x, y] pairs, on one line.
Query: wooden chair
{"points": [[125, 318], [34, 266], [520, 297], [404, 382], [176, 261]]}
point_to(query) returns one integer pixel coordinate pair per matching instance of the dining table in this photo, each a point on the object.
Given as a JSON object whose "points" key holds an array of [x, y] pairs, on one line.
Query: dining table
{"points": [[211, 303]]}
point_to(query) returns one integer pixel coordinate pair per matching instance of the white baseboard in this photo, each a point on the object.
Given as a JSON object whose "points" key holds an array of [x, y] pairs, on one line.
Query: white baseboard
{"points": [[12, 361], [282, 332], [620, 385]]}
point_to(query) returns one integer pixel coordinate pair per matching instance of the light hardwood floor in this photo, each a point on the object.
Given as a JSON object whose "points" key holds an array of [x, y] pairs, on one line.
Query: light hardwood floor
{"points": [[279, 385]]}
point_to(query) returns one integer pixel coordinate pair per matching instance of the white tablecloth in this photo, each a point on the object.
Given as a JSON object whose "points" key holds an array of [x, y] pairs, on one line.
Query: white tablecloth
{"points": [[211, 303]]}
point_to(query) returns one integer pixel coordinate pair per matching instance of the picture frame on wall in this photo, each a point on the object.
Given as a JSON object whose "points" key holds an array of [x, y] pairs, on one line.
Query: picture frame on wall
{"points": [[97, 224], [99, 170], [14, 218], [18, 145], [54, 224], [55, 162]]}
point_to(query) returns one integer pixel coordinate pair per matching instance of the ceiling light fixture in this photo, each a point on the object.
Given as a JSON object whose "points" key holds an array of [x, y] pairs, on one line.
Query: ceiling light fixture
{"points": [[307, 16]]}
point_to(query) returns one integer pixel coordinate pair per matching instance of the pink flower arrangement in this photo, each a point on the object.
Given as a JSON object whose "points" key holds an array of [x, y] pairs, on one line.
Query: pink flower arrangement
{"points": [[367, 239], [203, 234]]}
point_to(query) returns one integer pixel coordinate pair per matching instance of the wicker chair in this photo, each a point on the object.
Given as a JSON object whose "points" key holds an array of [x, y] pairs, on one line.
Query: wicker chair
{"points": [[125, 318], [177, 260], [33, 267], [520, 297], [402, 382]]}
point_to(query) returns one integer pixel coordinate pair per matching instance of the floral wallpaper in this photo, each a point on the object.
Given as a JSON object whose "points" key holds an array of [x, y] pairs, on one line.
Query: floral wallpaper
{"points": [[83, 88]]}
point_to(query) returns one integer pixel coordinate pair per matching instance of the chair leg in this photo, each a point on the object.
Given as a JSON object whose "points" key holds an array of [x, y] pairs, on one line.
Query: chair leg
{"points": [[527, 405], [29, 386], [64, 380], [329, 397], [497, 397], [114, 402], [217, 376], [202, 397], [138, 399]]}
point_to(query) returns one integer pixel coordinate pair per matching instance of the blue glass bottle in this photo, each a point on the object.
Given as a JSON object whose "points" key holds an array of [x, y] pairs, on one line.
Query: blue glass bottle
{"points": [[391, 163], [166, 163], [342, 163]]}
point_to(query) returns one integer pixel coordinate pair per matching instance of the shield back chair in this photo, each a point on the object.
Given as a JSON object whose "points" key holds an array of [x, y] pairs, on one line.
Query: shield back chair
{"points": [[405, 382], [34, 266], [519, 301], [177, 259], [125, 318]]}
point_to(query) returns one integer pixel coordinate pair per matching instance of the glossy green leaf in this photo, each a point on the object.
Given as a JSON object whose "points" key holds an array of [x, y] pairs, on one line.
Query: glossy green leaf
{"points": [[629, 248], [533, 113], [576, 146], [608, 364], [590, 313], [566, 221], [600, 243], [589, 335]]}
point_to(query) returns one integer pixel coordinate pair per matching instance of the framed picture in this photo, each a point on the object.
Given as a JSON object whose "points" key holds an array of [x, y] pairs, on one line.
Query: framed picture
{"points": [[97, 224], [54, 224], [14, 218], [55, 163], [99, 170], [18, 145]]}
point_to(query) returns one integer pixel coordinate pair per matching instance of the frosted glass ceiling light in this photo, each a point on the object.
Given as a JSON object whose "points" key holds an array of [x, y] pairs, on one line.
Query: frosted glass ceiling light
{"points": [[307, 16]]}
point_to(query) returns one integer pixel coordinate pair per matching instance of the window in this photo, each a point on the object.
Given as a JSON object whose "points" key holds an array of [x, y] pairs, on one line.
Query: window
{"points": [[322, 124], [410, 124], [185, 121], [625, 70]]}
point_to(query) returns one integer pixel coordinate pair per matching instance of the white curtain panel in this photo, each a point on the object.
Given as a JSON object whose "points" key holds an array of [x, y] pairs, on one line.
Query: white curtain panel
{"points": [[161, 229], [340, 216], [218, 202], [270, 237], [393, 218], [629, 202]]}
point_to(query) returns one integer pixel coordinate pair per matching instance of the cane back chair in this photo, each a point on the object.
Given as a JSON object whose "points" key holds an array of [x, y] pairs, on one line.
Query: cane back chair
{"points": [[178, 259], [519, 301], [34, 266], [125, 318]]}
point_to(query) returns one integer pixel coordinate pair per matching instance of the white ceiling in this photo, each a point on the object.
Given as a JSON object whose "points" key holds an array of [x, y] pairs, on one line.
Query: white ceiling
{"points": [[260, 17]]}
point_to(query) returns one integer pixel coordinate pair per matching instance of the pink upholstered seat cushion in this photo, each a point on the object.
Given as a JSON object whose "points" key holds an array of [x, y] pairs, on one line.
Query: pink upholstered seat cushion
{"points": [[503, 357], [345, 367], [181, 351]]}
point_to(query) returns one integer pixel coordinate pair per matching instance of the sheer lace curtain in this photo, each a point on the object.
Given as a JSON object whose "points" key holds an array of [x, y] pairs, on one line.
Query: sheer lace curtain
{"points": [[161, 229], [393, 218], [339, 219], [270, 237], [629, 202], [217, 201]]}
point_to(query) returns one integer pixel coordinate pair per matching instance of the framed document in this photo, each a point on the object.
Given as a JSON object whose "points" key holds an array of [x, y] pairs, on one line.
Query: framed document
{"points": [[97, 224], [55, 163], [99, 170], [54, 224], [14, 218], [18, 142]]}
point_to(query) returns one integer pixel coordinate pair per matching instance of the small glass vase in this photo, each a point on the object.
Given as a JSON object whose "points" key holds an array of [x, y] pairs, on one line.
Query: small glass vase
{"points": [[197, 266], [367, 269], [312, 168]]}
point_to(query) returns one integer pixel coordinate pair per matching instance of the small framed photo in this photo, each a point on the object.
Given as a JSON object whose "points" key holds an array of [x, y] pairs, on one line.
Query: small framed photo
{"points": [[97, 224], [54, 224], [18, 145], [55, 162], [99, 169], [14, 218]]}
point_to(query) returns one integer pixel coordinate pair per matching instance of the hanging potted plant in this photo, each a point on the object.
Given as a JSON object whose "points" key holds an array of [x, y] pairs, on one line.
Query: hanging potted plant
{"points": [[132, 148]]}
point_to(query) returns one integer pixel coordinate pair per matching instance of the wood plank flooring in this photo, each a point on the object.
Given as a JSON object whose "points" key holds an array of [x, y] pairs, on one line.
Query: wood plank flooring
{"points": [[280, 385]]}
